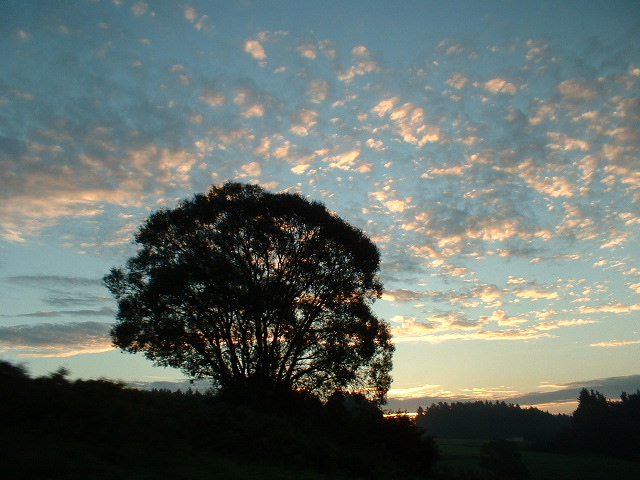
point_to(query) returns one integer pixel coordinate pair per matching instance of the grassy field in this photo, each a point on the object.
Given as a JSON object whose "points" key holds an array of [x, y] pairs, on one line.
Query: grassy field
{"points": [[464, 455]]}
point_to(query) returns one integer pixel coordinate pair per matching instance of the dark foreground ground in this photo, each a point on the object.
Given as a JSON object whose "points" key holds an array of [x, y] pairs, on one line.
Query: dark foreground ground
{"points": [[53, 428]]}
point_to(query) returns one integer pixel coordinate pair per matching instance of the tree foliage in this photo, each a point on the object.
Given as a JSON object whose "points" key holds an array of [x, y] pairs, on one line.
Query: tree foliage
{"points": [[604, 426], [257, 291]]}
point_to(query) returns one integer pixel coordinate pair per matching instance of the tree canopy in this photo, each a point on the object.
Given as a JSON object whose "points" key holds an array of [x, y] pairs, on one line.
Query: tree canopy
{"points": [[257, 291], [604, 426]]}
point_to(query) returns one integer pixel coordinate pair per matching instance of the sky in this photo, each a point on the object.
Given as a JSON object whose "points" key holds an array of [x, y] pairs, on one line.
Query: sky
{"points": [[491, 150]]}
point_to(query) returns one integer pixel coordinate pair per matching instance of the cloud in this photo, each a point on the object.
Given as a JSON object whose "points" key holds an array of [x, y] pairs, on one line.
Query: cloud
{"points": [[556, 398], [615, 343], [318, 90], [55, 280], [412, 392], [538, 179], [564, 142], [307, 50], [458, 325], [409, 121], [255, 110], [213, 98], [344, 160], [304, 121], [69, 296], [499, 85], [503, 319], [251, 170], [427, 394], [56, 340], [402, 296], [389, 199], [446, 171], [535, 294], [575, 90], [255, 49], [139, 8], [26, 215], [610, 308], [384, 107], [457, 80], [102, 312], [23, 35], [329, 48], [364, 64], [563, 323], [300, 169], [191, 15]]}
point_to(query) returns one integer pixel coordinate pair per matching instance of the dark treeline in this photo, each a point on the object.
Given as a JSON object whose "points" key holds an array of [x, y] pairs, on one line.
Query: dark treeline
{"points": [[598, 425], [487, 420], [603, 426], [52, 427]]}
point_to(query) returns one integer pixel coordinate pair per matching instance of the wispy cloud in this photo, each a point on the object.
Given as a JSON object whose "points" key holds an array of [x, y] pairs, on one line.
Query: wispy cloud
{"points": [[55, 280], [616, 308], [616, 343], [556, 398], [70, 296], [56, 339], [458, 326], [103, 312]]}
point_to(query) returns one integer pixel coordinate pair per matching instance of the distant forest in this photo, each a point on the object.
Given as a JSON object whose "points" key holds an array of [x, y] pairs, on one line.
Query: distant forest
{"points": [[488, 421], [598, 425]]}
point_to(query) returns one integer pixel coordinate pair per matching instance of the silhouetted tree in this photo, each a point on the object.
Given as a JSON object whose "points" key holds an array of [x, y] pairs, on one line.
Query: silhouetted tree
{"points": [[590, 404], [260, 292], [603, 426]]}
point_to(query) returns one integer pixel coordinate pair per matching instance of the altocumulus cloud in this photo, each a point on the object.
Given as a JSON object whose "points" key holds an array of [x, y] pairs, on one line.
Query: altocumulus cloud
{"points": [[56, 339]]}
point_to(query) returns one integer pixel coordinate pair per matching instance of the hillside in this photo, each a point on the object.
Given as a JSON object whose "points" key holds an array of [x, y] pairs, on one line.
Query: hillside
{"points": [[55, 428]]}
